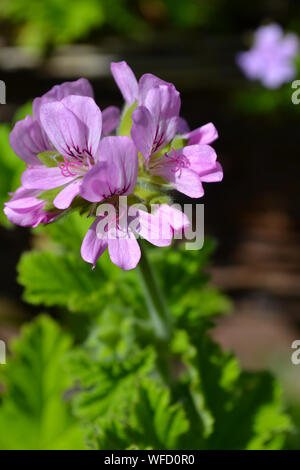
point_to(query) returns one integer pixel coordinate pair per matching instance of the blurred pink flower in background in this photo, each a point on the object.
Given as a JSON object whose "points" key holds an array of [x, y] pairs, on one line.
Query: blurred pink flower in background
{"points": [[272, 57]]}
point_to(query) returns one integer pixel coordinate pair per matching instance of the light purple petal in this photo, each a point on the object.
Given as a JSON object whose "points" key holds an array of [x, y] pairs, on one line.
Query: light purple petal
{"points": [[121, 156], [202, 135], [27, 140], [90, 116], [65, 197], [251, 63], [146, 83], [155, 124], [124, 252], [274, 77], [187, 182], [92, 246], [44, 178], [26, 210], [65, 130], [201, 158], [203, 161], [213, 175], [182, 126], [143, 130], [266, 36], [289, 46], [116, 172], [110, 119], [163, 102], [81, 87], [175, 217], [125, 80], [29, 219], [96, 183], [155, 228]]}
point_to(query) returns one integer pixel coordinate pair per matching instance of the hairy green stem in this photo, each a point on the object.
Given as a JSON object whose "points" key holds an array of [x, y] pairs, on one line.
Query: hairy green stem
{"points": [[155, 300]]}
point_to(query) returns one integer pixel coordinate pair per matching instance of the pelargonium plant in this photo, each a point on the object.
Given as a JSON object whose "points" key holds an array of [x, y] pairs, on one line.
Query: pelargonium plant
{"points": [[147, 376], [271, 60], [79, 158]]}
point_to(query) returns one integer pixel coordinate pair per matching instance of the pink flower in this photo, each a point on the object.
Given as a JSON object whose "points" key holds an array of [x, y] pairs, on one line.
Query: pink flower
{"points": [[271, 59], [68, 123], [156, 123], [116, 175]]}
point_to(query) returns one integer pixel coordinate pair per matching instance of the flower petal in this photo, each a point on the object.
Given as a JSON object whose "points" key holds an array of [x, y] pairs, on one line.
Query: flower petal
{"points": [[26, 210], [124, 252], [175, 217], [65, 197], [66, 132], [110, 119], [92, 246], [73, 125], [201, 158], [125, 80], [266, 36], [163, 102], [188, 182], [116, 172], [95, 186], [182, 126], [143, 130], [155, 228], [202, 135], [213, 175], [27, 140], [44, 178], [86, 110], [146, 82], [289, 46], [81, 87], [121, 156]]}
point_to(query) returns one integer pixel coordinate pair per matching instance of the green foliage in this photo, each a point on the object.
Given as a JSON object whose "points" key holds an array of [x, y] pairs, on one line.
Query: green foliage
{"points": [[33, 412], [153, 422], [238, 410], [125, 398], [53, 22]]}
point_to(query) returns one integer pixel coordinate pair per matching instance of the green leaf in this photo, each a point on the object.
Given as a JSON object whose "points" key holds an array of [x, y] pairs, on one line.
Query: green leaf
{"points": [[108, 384], [238, 410], [153, 422], [33, 411], [68, 231], [62, 280]]}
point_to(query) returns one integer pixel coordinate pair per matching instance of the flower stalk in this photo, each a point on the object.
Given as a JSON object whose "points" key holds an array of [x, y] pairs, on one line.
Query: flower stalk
{"points": [[157, 306]]}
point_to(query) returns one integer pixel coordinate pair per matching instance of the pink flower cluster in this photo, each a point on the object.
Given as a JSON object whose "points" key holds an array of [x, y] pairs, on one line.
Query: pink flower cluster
{"points": [[74, 160]]}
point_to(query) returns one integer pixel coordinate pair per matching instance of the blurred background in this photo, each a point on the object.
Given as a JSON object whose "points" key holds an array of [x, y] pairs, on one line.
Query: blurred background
{"points": [[254, 213]]}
